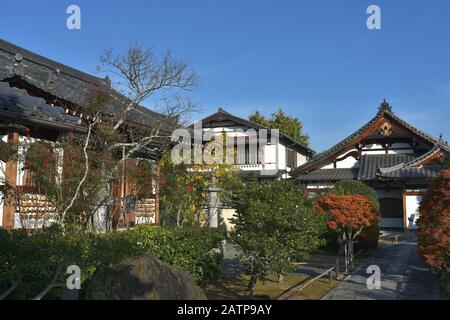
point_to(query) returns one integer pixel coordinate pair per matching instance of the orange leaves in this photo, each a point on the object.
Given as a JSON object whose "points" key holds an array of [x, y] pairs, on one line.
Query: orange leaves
{"points": [[434, 223], [347, 213]]}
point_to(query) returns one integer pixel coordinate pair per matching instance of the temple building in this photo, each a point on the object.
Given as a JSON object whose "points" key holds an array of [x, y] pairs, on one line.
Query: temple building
{"points": [[41, 99], [390, 155], [262, 154], [267, 158]]}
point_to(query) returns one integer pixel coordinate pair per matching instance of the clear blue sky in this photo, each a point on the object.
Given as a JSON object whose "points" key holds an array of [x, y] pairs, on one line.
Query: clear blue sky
{"points": [[315, 59]]}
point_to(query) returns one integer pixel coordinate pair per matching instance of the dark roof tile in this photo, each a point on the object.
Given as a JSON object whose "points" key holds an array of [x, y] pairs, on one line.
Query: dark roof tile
{"points": [[384, 110], [70, 84], [329, 175], [17, 102], [370, 164]]}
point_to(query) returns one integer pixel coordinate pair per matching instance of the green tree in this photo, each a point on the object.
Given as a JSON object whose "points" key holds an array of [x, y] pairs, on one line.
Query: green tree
{"points": [[274, 225], [183, 190], [287, 125]]}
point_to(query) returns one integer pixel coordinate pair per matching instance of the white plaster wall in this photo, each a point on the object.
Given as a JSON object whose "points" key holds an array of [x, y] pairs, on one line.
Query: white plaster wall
{"points": [[281, 157], [318, 185], [412, 203], [373, 152], [2, 172], [227, 214], [348, 162], [1, 209], [301, 159], [328, 166], [2, 181], [270, 154], [24, 143]]}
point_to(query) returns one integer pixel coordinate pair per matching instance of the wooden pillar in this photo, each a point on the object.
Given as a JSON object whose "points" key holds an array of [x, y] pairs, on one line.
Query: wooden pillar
{"points": [[157, 175], [9, 206], [117, 209]]}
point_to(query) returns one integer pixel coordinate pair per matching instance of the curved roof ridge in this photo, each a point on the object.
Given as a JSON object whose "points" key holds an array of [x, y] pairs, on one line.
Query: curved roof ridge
{"points": [[384, 109]]}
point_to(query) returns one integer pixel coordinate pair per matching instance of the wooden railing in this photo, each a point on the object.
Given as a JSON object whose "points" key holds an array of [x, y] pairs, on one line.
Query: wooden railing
{"points": [[332, 273]]}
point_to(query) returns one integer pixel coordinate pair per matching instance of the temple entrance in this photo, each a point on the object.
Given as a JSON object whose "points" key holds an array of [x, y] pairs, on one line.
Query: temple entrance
{"points": [[391, 209], [412, 202]]}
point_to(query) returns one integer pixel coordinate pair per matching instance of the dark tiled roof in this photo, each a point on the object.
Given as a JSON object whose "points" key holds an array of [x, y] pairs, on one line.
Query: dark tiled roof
{"points": [[407, 169], [388, 166], [384, 110], [370, 164], [411, 173], [17, 103], [440, 145], [69, 84], [222, 114], [329, 175]]}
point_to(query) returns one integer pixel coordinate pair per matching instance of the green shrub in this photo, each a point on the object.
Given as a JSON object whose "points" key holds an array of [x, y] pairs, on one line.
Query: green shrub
{"points": [[275, 225], [196, 250], [34, 257]]}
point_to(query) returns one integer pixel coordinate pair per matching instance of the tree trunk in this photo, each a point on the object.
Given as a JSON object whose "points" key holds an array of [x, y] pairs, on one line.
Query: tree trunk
{"points": [[351, 255], [346, 256], [280, 278], [251, 286]]}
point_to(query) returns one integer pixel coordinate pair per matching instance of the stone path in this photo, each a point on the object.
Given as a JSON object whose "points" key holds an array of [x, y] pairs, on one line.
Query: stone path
{"points": [[404, 276]]}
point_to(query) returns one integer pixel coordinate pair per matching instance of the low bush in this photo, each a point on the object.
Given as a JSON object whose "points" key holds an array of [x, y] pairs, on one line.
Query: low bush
{"points": [[32, 259]]}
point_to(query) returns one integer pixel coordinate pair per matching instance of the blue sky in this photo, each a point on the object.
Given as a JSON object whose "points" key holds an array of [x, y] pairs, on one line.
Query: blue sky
{"points": [[315, 59]]}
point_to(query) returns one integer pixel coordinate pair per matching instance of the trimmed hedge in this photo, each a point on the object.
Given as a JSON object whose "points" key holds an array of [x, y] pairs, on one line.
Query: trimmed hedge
{"points": [[33, 257]]}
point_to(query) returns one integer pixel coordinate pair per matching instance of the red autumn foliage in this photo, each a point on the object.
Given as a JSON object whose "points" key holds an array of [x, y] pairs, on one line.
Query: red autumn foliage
{"points": [[434, 223], [347, 213]]}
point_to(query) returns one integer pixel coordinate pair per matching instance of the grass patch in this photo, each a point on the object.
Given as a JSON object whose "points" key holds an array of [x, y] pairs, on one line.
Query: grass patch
{"points": [[234, 287]]}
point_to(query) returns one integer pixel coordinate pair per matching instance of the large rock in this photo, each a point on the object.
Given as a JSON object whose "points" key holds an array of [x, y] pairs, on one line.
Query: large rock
{"points": [[143, 278]]}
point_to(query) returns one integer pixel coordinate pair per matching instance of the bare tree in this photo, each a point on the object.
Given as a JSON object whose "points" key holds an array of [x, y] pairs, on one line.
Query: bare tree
{"points": [[139, 74]]}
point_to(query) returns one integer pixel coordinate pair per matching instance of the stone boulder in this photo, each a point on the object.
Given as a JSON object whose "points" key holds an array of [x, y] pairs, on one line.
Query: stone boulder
{"points": [[143, 278]]}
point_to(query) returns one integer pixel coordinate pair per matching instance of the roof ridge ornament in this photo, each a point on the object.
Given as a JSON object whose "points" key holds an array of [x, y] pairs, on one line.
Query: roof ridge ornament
{"points": [[384, 107], [17, 67], [441, 139]]}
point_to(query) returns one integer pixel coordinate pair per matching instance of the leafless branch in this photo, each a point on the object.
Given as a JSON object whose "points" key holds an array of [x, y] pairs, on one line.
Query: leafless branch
{"points": [[86, 171], [139, 74], [52, 284], [10, 289]]}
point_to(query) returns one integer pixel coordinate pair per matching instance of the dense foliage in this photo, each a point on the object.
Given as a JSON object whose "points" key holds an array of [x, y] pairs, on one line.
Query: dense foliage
{"points": [[33, 259], [369, 236], [348, 215], [183, 190], [434, 226], [275, 225], [287, 125]]}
